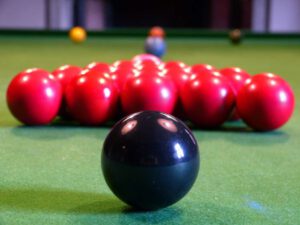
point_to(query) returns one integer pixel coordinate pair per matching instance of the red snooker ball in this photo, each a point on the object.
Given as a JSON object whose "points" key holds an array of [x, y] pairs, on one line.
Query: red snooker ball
{"points": [[208, 100], [34, 97], [202, 68], [99, 67], [157, 31], [175, 65], [148, 92], [180, 78], [95, 73], [266, 102], [64, 74], [122, 64], [237, 78], [91, 99], [120, 76]]}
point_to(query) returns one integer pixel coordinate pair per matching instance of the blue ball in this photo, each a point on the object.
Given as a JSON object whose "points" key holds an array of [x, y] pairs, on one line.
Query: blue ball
{"points": [[155, 46]]}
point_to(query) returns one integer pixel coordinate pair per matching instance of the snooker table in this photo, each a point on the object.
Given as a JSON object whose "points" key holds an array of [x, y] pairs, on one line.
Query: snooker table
{"points": [[52, 174]]}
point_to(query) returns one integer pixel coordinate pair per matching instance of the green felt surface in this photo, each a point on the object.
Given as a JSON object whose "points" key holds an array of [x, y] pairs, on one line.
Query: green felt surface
{"points": [[51, 174]]}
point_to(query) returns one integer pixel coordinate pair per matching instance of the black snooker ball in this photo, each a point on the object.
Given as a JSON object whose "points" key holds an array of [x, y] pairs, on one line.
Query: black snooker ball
{"points": [[235, 36], [150, 160]]}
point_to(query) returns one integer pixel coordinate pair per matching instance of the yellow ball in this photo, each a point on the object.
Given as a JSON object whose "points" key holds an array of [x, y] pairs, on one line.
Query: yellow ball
{"points": [[77, 34]]}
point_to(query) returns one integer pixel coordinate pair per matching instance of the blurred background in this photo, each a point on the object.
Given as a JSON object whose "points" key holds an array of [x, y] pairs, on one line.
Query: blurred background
{"points": [[253, 15]]}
